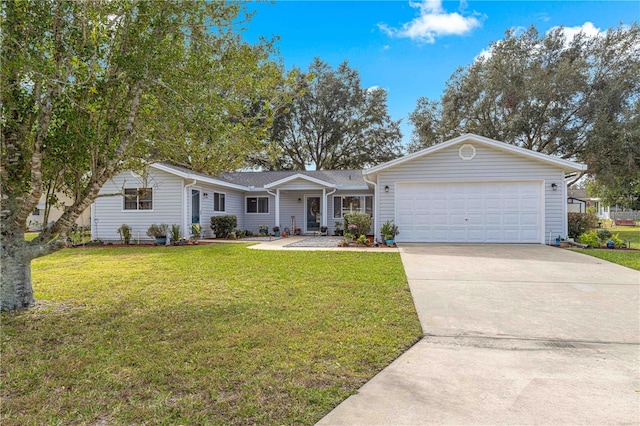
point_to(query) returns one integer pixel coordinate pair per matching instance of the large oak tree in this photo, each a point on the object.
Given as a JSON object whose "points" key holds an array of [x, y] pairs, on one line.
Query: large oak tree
{"points": [[576, 98], [91, 88], [335, 124]]}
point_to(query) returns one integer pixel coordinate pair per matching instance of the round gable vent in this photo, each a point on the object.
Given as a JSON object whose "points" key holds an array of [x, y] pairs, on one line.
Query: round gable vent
{"points": [[467, 152]]}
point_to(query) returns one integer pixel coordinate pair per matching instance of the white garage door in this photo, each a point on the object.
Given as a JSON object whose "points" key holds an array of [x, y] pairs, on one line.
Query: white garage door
{"points": [[469, 212]]}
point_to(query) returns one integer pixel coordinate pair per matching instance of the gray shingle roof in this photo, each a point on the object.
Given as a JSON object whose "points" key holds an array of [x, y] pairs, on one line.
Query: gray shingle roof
{"points": [[341, 178]]}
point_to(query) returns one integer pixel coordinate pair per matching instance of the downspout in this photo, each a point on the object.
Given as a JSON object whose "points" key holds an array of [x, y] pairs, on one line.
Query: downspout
{"points": [[277, 197], [185, 210], [325, 206], [375, 209]]}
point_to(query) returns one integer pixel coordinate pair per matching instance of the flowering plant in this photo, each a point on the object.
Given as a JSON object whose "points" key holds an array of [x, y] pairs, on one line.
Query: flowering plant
{"points": [[353, 228]]}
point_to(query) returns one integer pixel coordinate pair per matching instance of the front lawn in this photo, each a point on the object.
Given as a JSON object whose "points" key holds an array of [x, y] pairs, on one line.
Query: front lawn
{"points": [[213, 334], [630, 259]]}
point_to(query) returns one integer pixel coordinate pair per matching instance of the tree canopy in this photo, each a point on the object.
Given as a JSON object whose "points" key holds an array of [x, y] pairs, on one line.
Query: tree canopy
{"points": [[92, 88], [335, 124], [575, 98]]}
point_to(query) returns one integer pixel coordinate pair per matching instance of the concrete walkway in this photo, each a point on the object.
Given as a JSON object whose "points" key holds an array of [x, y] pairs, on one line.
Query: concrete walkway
{"points": [[514, 334], [286, 244]]}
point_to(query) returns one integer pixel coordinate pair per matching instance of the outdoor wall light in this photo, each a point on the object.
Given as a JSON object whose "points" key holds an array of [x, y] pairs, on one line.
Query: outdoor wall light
{"points": [[554, 186], [386, 188], [205, 195], [299, 200]]}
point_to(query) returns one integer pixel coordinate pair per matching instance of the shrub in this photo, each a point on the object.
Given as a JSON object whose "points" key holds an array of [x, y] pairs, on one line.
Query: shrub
{"points": [[248, 233], [579, 223], [157, 231], [222, 226], [590, 238], [175, 232], [604, 234], [125, 233], [617, 240], [361, 220]]}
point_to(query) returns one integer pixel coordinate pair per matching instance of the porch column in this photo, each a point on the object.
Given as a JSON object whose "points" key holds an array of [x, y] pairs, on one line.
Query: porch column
{"points": [[323, 218], [277, 207]]}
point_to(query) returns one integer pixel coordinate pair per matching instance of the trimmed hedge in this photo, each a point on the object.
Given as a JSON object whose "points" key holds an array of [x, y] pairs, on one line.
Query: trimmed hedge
{"points": [[579, 223], [222, 226]]}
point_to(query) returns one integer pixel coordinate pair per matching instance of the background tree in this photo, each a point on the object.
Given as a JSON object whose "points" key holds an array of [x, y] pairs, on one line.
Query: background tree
{"points": [[335, 124], [92, 88], [572, 98]]}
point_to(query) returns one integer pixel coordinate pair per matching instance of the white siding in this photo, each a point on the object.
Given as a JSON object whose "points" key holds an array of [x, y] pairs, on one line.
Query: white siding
{"points": [[489, 164], [109, 210], [252, 221], [234, 205]]}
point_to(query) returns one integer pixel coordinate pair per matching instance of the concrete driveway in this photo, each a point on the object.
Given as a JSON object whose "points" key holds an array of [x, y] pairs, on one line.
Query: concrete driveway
{"points": [[517, 334]]}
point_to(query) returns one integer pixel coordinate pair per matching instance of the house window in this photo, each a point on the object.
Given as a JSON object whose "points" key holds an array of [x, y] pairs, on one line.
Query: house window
{"points": [[257, 204], [218, 202], [350, 204], [138, 199]]}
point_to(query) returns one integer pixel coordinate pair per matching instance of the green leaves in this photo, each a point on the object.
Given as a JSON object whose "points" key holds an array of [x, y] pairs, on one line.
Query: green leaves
{"points": [[92, 87], [573, 98], [333, 123]]}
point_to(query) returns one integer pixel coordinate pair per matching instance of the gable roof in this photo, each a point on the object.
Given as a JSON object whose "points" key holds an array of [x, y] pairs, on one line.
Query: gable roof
{"points": [[342, 179], [247, 181], [299, 176], [566, 165]]}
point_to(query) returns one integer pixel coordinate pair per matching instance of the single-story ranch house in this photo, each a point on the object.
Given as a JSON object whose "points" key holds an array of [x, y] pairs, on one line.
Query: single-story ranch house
{"points": [[470, 189]]}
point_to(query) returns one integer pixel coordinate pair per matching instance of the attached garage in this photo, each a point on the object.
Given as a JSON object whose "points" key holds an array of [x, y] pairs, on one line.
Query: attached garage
{"points": [[472, 189], [474, 212]]}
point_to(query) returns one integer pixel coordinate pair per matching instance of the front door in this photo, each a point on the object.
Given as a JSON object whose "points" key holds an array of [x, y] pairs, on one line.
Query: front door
{"points": [[313, 214], [195, 206]]}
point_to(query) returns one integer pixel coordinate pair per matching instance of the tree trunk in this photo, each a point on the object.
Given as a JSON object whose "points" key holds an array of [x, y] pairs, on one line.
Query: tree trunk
{"points": [[16, 290]]}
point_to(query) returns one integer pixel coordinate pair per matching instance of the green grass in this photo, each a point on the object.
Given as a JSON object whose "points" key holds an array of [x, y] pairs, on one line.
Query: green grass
{"points": [[630, 259], [628, 233], [201, 335], [30, 235]]}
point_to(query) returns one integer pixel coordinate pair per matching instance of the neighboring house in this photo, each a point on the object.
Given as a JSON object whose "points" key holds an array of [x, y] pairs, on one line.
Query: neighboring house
{"points": [[35, 221], [579, 202], [468, 189]]}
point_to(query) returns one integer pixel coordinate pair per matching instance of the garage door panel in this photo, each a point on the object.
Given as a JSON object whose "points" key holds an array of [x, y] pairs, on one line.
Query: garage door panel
{"points": [[503, 212]]}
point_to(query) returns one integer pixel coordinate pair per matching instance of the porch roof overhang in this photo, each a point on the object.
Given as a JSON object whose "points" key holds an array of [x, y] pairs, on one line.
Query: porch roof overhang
{"points": [[299, 176]]}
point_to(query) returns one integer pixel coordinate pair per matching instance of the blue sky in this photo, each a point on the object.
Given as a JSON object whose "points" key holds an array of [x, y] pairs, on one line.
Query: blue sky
{"points": [[412, 48]]}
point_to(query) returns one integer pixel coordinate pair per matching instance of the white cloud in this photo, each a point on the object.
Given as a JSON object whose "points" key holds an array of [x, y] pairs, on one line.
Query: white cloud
{"points": [[587, 28], [433, 21]]}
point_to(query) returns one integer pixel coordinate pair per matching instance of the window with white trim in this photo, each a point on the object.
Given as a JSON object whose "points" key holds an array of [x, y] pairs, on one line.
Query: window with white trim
{"points": [[257, 204], [352, 203], [138, 199], [219, 202]]}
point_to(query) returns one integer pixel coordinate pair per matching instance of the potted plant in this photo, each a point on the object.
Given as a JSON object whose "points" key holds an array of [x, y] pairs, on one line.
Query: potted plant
{"points": [[338, 230], [276, 231], [323, 230], [159, 232], [196, 232], [298, 231], [263, 231], [388, 231], [175, 234]]}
